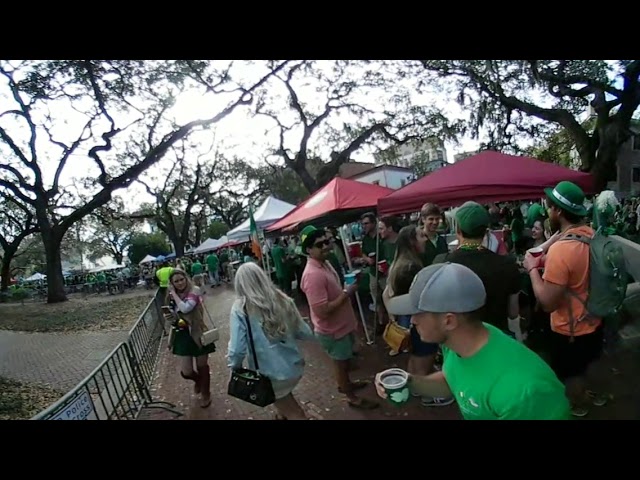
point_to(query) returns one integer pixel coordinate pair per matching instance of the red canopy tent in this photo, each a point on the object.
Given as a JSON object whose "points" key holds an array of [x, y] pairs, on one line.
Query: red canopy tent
{"points": [[487, 177], [337, 200]]}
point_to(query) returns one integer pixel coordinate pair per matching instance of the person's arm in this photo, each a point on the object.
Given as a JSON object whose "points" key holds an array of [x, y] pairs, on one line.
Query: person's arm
{"points": [[551, 290], [551, 240], [434, 385], [188, 304], [237, 348], [315, 288]]}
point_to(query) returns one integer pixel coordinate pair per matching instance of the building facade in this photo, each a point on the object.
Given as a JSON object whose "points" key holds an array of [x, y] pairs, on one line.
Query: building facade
{"points": [[389, 176], [627, 181], [421, 156]]}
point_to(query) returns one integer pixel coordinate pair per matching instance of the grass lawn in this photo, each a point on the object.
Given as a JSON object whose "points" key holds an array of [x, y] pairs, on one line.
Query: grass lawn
{"points": [[22, 401], [100, 312]]}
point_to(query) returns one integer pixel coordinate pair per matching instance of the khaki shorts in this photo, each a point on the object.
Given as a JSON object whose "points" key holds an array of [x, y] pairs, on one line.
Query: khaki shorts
{"points": [[377, 289]]}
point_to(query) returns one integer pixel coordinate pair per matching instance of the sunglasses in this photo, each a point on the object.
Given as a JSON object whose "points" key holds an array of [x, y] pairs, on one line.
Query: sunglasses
{"points": [[322, 243]]}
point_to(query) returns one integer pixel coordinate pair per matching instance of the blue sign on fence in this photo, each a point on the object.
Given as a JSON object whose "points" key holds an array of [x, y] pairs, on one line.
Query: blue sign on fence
{"points": [[79, 408]]}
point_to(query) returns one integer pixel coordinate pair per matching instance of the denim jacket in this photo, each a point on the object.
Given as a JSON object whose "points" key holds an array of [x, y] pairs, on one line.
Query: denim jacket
{"points": [[278, 360]]}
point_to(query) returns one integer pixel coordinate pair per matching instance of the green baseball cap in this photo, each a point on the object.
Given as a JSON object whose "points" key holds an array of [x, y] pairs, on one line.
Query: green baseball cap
{"points": [[471, 217], [306, 231]]}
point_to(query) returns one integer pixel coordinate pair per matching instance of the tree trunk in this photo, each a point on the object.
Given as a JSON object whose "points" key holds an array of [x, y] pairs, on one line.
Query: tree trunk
{"points": [[178, 244], [605, 164], [307, 180], [56, 292], [5, 272], [118, 256]]}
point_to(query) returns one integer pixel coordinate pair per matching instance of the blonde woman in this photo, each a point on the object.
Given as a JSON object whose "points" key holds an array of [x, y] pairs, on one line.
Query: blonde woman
{"points": [[276, 324], [189, 326]]}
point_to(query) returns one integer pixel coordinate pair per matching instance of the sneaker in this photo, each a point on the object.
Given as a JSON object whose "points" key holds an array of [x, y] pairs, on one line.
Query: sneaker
{"points": [[437, 401], [393, 353], [579, 412], [597, 399]]}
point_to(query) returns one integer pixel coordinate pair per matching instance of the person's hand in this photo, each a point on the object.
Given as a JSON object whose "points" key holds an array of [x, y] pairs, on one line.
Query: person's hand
{"points": [[379, 388], [553, 239], [370, 261], [351, 289], [530, 262]]}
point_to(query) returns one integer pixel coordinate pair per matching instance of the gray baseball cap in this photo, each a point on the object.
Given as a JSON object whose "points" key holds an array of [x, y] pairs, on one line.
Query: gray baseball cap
{"points": [[441, 288]]}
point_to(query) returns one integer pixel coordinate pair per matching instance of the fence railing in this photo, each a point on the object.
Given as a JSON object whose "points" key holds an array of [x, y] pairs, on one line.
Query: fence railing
{"points": [[119, 388]]}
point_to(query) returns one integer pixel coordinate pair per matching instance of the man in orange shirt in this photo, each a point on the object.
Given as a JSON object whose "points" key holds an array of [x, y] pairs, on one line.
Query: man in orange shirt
{"points": [[576, 339]]}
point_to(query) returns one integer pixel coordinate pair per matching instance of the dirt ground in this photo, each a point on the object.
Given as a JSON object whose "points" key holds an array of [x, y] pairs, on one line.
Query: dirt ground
{"points": [[101, 312], [20, 400]]}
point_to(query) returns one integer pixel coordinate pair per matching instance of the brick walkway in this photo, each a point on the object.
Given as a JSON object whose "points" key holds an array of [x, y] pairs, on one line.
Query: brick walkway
{"points": [[59, 360], [617, 375], [316, 392]]}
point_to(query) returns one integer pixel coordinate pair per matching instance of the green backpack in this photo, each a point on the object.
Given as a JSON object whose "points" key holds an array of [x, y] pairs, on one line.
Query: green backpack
{"points": [[607, 276]]}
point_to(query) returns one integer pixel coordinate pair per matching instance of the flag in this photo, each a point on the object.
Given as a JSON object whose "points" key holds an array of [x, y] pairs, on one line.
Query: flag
{"points": [[255, 241]]}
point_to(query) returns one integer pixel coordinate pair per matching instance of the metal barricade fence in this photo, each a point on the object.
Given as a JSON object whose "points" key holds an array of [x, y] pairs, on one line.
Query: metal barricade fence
{"points": [[113, 391], [118, 388], [145, 338]]}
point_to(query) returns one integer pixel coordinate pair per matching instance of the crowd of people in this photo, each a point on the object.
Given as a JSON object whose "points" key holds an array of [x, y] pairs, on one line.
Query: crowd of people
{"points": [[466, 311]]}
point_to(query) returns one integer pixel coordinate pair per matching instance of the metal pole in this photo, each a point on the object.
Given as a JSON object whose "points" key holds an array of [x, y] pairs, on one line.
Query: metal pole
{"points": [[375, 265], [343, 232]]}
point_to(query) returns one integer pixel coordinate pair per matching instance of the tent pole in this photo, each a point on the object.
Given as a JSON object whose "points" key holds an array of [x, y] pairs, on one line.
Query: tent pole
{"points": [[343, 232], [375, 266]]}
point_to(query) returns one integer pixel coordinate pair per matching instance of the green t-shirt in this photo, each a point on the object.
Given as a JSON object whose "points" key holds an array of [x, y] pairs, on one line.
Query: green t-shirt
{"points": [[517, 228], [368, 246], [196, 268], [224, 257], [212, 262], [505, 380], [431, 250], [388, 251], [277, 254]]}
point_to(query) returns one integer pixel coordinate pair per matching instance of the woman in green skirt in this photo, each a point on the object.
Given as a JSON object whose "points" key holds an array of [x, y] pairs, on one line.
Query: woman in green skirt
{"points": [[188, 327]]}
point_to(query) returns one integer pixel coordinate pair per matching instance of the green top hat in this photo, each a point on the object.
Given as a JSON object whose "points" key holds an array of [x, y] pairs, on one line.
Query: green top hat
{"points": [[567, 196]]}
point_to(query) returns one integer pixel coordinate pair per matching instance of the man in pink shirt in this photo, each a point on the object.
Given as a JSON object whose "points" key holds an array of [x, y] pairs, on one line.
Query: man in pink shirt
{"points": [[331, 312]]}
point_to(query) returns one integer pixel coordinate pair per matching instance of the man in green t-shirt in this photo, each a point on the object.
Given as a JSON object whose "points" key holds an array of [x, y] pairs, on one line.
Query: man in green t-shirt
{"points": [[491, 375], [431, 217], [388, 229], [278, 255], [196, 268]]}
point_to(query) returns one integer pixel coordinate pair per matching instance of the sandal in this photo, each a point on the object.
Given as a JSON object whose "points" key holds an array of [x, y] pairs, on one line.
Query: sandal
{"points": [[363, 404]]}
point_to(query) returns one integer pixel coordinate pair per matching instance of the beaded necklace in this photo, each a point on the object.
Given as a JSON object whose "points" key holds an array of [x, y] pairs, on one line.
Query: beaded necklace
{"points": [[471, 246]]}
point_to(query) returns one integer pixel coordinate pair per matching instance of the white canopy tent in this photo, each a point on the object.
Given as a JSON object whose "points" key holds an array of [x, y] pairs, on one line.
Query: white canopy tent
{"points": [[147, 259], [268, 213], [35, 277], [210, 244]]}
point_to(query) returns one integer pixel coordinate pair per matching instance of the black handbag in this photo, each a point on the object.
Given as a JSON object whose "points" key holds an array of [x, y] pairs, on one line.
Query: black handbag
{"points": [[250, 385]]}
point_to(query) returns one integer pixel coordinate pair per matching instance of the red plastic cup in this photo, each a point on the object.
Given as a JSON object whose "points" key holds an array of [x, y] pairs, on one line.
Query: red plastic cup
{"points": [[383, 266], [535, 252]]}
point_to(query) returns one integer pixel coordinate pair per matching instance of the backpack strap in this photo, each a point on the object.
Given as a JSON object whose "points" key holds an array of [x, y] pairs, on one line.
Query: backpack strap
{"points": [[576, 237], [570, 293]]}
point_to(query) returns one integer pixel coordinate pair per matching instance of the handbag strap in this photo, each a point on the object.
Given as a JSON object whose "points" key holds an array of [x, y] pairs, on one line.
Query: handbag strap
{"points": [[251, 345], [211, 322]]}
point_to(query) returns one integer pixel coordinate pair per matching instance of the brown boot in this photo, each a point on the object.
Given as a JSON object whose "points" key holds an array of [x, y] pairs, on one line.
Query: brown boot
{"points": [[205, 386], [196, 380]]}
